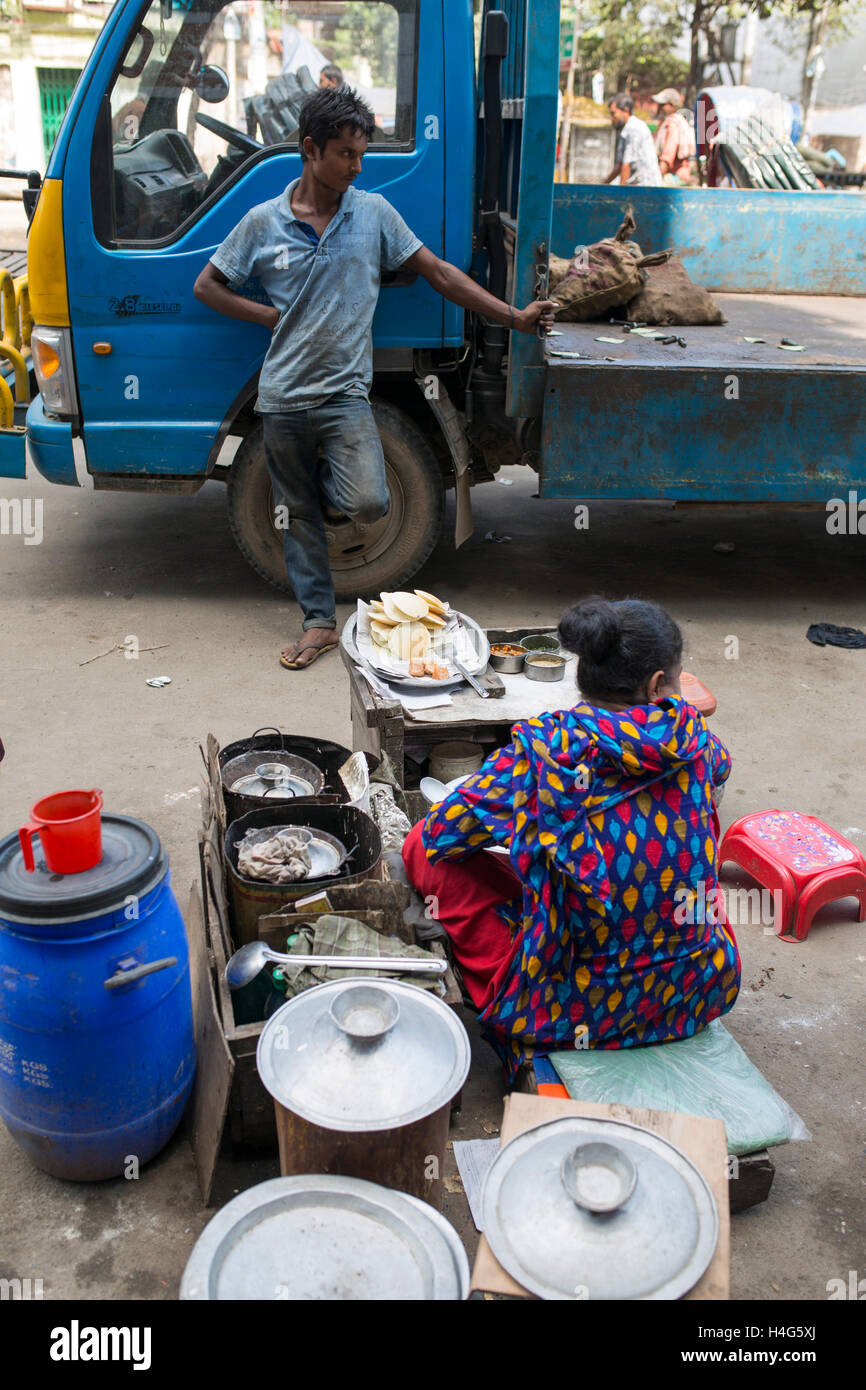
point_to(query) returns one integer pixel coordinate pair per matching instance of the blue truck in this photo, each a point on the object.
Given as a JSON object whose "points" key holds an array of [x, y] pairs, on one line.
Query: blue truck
{"points": [[185, 116]]}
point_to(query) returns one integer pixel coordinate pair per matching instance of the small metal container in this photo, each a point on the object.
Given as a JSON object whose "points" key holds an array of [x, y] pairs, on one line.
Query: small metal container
{"points": [[541, 642], [544, 666], [511, 665]]}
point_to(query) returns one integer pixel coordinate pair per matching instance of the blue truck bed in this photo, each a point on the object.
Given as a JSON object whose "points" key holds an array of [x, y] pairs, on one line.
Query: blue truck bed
{"points": [[720, 419]]}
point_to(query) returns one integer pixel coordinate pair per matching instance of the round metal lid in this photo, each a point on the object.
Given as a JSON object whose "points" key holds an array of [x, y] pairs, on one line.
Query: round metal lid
{"points": [[323, 1237], [132, 863], [630, 1218], [363, 1054]]}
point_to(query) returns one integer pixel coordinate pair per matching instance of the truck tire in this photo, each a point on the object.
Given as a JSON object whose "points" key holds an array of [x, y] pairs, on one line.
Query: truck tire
{"points": [[364, 560]]}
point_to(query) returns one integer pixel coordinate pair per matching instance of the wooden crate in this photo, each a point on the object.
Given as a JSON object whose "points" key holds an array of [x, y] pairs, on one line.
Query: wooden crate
{"points": [[229, 1092]]}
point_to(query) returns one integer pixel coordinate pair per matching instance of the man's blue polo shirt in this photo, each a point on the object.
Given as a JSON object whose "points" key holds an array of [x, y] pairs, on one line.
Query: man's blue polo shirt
{"points": [[326, 293]]}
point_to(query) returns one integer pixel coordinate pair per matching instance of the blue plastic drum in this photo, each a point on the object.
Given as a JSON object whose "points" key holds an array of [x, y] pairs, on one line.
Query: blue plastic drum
{"points": [[97, 1056]]}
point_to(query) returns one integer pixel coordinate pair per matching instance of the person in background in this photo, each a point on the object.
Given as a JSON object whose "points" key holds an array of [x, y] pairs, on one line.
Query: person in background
{"points": [[635, 159], [331, 76], [675, 138], [588, 934]]}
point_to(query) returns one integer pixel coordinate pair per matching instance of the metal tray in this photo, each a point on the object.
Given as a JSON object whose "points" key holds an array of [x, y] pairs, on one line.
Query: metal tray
{"points": [[418, 683]]}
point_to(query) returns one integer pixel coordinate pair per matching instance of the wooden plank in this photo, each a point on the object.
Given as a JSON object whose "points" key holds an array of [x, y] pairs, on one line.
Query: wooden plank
{"points": [[702, 1140], [215, 1065]]}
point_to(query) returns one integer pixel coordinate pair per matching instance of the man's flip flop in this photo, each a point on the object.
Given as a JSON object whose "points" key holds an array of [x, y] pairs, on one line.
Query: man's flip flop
{"points": [[310, 647]]}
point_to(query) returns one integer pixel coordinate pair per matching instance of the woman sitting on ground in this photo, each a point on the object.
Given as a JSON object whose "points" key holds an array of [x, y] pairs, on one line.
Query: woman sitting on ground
{"points": [[607, 809]]}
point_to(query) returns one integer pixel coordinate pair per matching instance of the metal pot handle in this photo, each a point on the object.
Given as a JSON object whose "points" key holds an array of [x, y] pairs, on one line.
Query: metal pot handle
{"points": [[268, 729], [129, 977]]}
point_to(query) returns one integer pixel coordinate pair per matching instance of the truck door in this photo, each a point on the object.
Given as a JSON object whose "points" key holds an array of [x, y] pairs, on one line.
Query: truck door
{"points": [[190, 119]]}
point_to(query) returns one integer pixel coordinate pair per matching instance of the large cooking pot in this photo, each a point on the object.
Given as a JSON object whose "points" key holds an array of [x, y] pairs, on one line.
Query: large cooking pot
{"points": [[363, 1073], [250, 899], [269, 745]]}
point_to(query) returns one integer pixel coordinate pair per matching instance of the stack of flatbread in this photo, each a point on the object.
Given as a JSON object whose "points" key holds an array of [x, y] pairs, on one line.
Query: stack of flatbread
{"points": [[406, 624]]}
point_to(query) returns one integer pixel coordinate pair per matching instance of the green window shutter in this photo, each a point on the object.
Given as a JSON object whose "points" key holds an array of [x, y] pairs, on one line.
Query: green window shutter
{"points": [[55, 89]]}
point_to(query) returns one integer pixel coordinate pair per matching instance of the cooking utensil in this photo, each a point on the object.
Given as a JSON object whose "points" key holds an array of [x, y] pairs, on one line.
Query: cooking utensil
{"points": [[326, 1237], [541, 642], [509, 664], [476, 685], [433, 790], [544, 666], [363, 1074], [251, 959], [599, 1209]]}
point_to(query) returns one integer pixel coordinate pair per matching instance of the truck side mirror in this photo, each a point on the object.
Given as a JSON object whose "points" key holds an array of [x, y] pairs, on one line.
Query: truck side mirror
{"points": [[212, 83]]}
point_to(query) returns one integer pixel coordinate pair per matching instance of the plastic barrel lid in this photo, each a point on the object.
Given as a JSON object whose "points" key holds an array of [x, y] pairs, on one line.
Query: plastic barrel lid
{"points": [[133, 862]]}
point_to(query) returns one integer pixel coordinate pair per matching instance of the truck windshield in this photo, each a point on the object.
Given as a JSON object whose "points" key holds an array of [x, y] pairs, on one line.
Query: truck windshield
{"points": [[204, 89]]}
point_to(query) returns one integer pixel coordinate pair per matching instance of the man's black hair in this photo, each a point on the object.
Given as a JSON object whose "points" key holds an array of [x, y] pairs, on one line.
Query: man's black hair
{"points": [[623, 101], [325, 113], [333, 73]]}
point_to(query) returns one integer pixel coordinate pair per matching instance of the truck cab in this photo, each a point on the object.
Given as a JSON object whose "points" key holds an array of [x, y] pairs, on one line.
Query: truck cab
{"points": [[184, 119]]}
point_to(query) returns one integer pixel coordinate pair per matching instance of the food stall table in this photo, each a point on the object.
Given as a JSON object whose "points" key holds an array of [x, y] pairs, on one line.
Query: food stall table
{"points": [[383, 726]]}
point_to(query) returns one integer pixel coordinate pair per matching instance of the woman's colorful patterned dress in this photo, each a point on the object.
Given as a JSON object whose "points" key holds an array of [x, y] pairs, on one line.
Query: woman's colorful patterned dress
{"points": [[610, 822]]}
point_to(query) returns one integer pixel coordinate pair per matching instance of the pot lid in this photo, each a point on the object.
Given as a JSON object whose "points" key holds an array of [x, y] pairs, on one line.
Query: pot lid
{"points": [[363, 1054], [318, 1237], [132, 863], [599, 1209]]}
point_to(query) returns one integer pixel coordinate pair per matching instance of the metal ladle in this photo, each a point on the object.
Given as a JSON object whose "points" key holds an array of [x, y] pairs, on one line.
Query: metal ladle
{"points": [[251, 960]]}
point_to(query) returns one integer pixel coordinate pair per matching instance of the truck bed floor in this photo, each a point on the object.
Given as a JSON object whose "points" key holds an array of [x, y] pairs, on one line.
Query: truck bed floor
{"points": [[832, 329]]}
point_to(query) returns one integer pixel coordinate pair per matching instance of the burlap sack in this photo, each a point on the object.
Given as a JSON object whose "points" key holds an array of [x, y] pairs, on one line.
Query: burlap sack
{"points": [[600, 277], [670, 297]]}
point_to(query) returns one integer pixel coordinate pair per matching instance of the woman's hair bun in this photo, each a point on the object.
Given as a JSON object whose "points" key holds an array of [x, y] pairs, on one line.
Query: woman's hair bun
{"points": [[592, 629]]}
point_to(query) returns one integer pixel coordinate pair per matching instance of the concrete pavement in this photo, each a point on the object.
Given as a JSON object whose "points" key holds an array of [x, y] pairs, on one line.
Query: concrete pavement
{"points": [[164, 571]]}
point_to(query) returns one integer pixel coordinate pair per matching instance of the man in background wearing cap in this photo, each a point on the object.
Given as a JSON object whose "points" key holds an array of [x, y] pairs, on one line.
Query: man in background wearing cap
{"points": [[675, 138]]}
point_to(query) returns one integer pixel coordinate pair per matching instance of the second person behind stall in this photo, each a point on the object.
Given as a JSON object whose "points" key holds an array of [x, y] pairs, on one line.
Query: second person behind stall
{"points": [[586, 936]]}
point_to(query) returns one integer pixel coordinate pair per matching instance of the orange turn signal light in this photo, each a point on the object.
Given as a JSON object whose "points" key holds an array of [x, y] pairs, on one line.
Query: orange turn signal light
{"points": [[47, 359], [102, 348]]}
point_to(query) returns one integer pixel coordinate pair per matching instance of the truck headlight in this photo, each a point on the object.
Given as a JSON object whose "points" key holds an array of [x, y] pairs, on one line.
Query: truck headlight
{"points": [[51, 349]]}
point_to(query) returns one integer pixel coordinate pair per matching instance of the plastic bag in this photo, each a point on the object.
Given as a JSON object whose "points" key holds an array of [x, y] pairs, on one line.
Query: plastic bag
{"points": [[708, 1074]]}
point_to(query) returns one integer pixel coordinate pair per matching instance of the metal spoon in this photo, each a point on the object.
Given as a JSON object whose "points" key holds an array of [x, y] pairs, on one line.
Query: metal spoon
{"points": [[251, 959]]}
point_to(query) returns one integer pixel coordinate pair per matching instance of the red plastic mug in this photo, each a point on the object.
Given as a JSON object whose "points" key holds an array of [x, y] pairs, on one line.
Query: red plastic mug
{"points": [[69, 826]]}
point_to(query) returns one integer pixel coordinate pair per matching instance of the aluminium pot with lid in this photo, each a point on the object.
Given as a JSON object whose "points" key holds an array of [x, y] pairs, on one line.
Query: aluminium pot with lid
{"points": [[363, 1074], [591, 1208], [365, 1054], [321, 1237]]}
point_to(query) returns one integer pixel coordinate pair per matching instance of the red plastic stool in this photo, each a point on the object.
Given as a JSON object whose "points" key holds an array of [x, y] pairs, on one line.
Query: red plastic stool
{"points": [[800, 857], [694, 692]]}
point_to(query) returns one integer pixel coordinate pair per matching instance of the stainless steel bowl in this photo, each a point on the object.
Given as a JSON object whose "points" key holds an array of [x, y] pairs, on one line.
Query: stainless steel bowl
{"points": [[511, 665], [535, 671], [541, 642]]}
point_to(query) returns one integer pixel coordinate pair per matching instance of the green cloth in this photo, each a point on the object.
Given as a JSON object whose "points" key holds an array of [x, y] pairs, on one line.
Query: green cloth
{"points": [[335, 935], [708, 1074]]}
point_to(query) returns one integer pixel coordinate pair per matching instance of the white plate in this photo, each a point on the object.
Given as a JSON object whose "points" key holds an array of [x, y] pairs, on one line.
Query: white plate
{"points": [[390, 669]]}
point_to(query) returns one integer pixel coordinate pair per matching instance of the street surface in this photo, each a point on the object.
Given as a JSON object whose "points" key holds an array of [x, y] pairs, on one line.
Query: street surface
{"points": [[163, 571]]}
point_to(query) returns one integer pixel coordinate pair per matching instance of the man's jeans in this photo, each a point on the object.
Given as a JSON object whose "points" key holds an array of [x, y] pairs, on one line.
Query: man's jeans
{"points": [[349, 474]]}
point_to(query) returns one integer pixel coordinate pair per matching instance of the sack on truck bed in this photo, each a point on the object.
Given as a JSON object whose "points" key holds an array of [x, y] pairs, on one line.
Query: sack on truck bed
{"points": [[671, 297], [600, 277]]}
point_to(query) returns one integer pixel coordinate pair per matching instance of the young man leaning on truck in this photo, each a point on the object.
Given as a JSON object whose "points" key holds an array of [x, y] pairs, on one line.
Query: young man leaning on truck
{"points": [[318, 250]]}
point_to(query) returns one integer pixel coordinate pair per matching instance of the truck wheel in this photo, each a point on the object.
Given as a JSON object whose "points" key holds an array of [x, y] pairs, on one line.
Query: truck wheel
{"points": [[364, 559]]}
